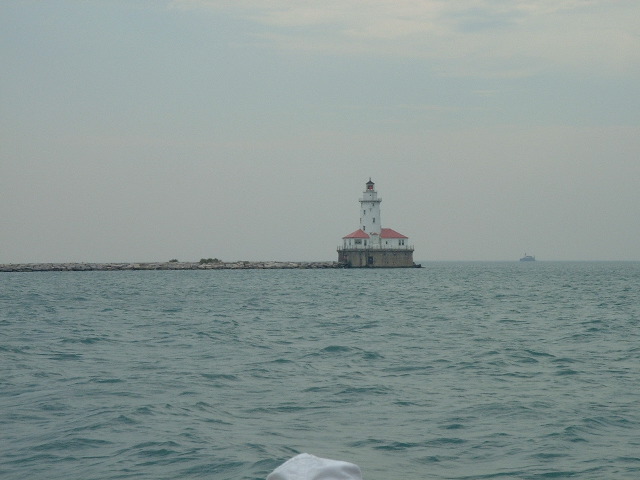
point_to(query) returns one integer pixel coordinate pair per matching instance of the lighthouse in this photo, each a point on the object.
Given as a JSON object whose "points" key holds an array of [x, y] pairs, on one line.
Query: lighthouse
{"points": [[372, 245], [370, 210]]}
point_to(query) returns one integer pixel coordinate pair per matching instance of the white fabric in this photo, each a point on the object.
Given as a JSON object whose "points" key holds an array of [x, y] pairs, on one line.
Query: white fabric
{"points": [[309, 467]]}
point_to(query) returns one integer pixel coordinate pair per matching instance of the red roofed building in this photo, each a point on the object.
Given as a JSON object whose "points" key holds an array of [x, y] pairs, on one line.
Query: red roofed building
{"points": [[371, 245], [357, 234]]}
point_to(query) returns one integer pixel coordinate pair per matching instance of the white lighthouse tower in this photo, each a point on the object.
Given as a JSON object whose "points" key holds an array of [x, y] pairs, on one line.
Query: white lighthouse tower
{"points": [[370, 210], [372, 245]]}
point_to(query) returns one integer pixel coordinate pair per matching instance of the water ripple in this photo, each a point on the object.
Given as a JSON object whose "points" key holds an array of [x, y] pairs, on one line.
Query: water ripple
{"points": [[453, 371]]}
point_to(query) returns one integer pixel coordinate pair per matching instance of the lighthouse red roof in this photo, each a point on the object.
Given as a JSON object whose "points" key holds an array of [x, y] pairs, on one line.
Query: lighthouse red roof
{"points": [[358, 234], [390, 233]]}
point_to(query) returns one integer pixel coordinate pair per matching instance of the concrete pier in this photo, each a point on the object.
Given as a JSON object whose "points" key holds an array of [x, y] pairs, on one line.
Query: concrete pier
{"points": [[83, 267]]}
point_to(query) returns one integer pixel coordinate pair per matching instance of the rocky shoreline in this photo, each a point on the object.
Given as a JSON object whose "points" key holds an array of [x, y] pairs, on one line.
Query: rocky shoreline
{"points": [[84, 267]]}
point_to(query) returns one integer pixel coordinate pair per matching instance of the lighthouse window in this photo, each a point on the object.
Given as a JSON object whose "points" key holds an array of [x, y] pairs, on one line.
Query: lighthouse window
{"points": [[374, 219]]}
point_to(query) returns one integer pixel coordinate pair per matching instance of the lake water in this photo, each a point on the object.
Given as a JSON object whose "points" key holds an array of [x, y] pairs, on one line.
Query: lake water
{"points": [[452, 371]]}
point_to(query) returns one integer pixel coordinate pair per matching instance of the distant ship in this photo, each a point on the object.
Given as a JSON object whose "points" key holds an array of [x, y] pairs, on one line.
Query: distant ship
{"points": [[528, 258]]}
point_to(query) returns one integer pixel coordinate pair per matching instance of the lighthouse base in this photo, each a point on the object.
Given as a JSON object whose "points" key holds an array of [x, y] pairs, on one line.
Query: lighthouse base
{"points": [[376, 258]]}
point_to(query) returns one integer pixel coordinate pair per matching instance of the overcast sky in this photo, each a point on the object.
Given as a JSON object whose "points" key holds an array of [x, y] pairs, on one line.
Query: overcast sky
{"points": [[135, 130]]}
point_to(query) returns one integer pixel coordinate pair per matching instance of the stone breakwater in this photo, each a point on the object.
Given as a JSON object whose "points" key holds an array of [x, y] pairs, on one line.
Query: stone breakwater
{"points": [[84, 267]]}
